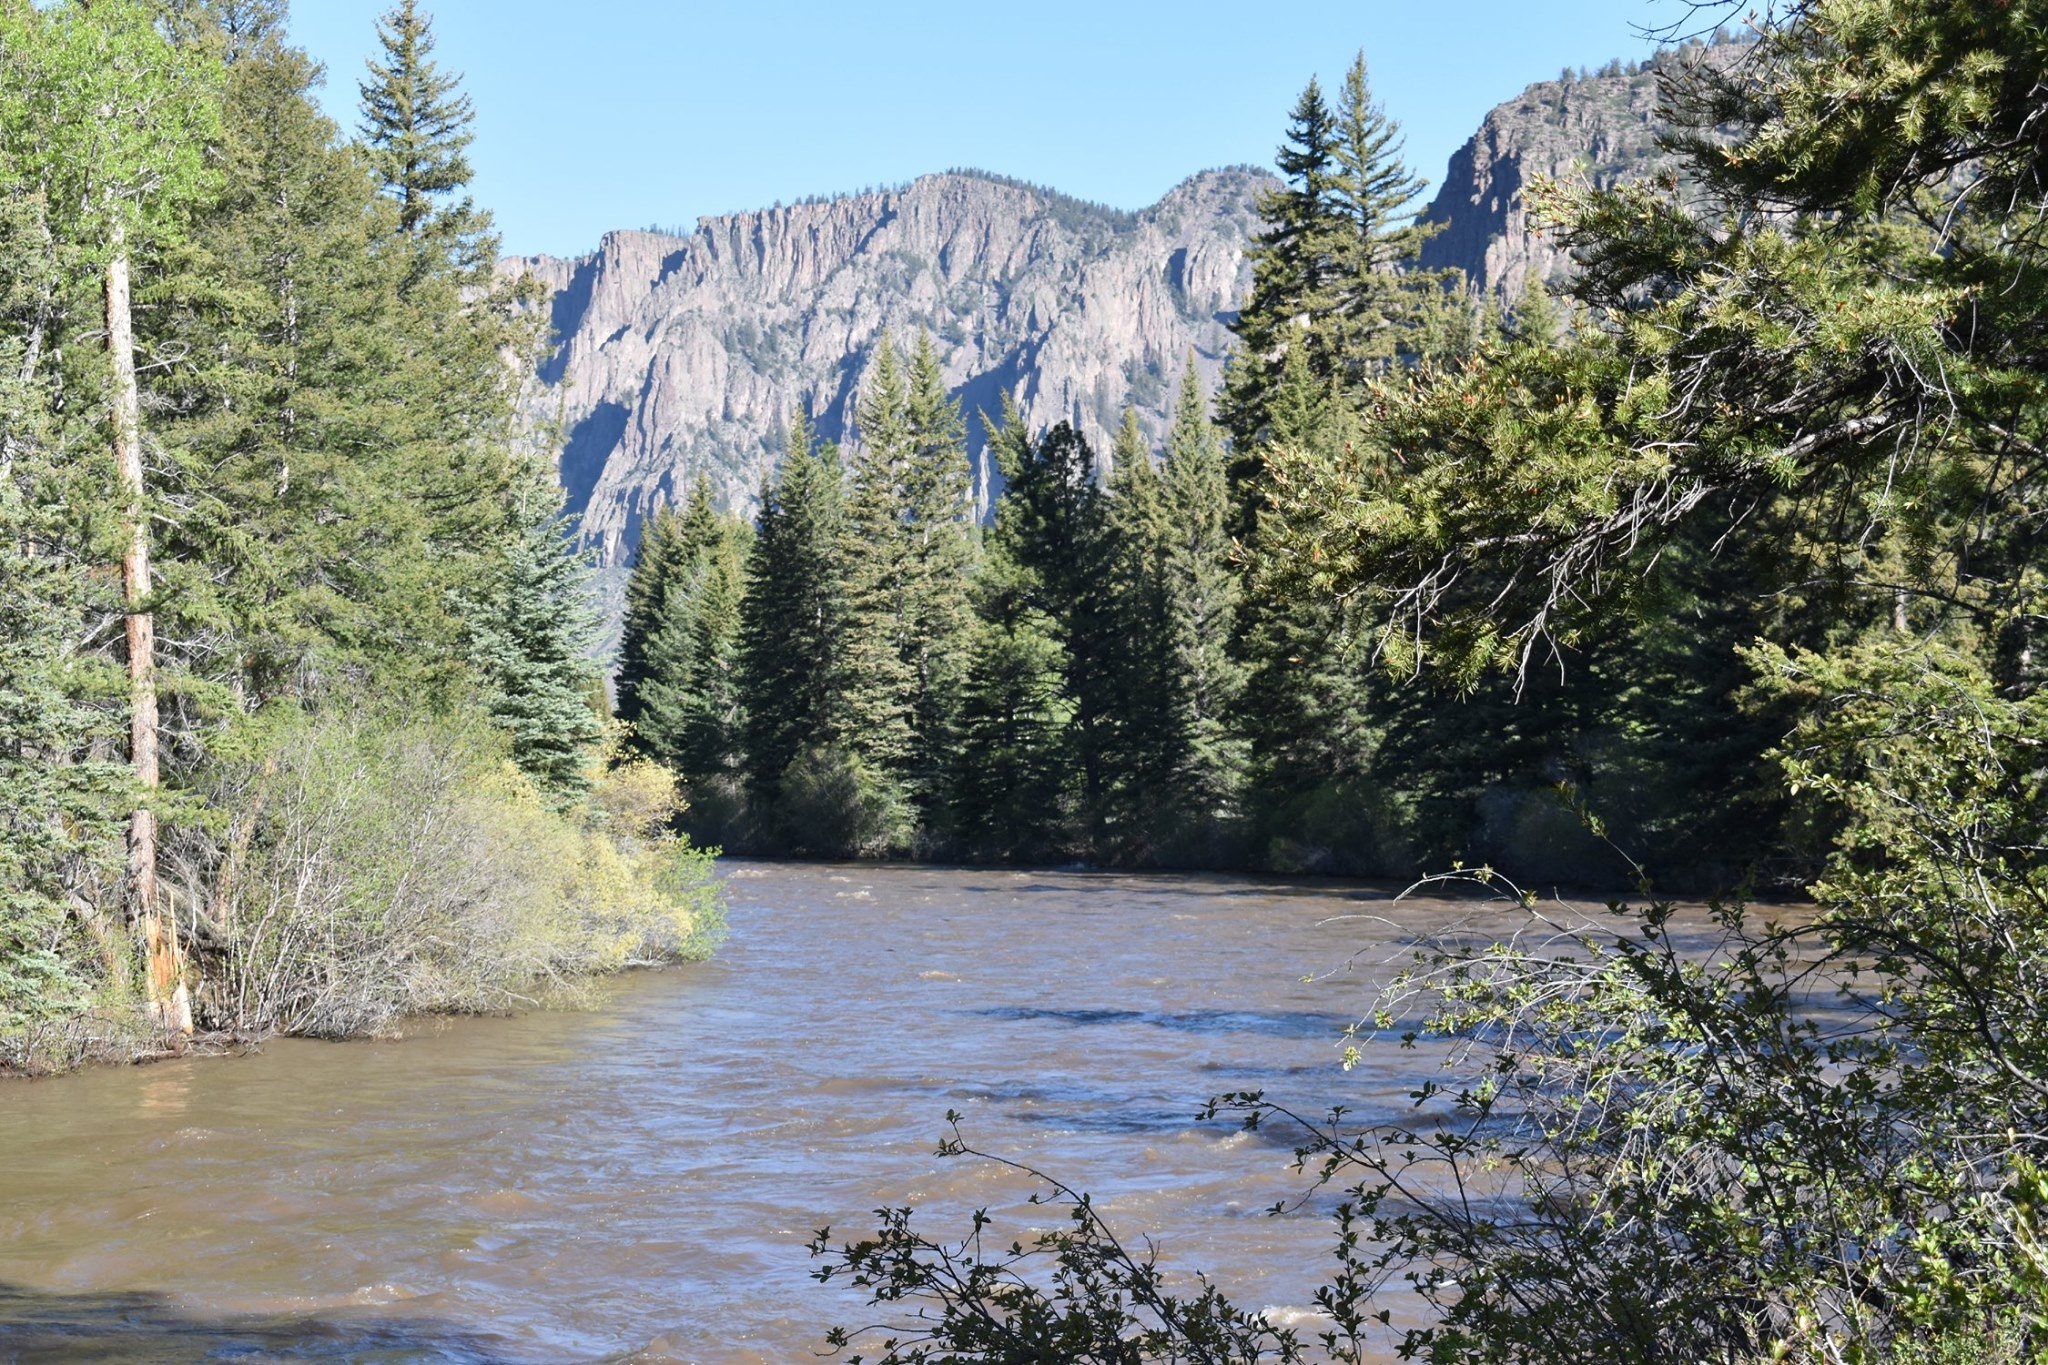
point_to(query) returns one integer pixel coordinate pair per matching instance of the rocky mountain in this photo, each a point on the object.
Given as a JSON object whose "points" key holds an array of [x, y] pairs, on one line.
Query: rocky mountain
{"points": [[1601, 127], [681, 355]]}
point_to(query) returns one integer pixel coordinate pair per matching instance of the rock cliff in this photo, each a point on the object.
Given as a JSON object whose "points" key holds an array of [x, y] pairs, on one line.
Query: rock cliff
{"points": [[1601, 128], [681, 355]]}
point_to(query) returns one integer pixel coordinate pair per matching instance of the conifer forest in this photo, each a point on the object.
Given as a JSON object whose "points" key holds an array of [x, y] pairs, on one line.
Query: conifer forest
{"points": [[1700, 580]]}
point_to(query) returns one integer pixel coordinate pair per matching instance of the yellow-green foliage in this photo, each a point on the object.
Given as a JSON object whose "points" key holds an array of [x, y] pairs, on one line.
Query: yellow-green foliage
{"points": [[383, 868]]}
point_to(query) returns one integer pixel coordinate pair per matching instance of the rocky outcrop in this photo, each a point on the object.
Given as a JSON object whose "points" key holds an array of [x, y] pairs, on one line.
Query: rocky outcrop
{"points": [[1599, 128], [681, 356]]}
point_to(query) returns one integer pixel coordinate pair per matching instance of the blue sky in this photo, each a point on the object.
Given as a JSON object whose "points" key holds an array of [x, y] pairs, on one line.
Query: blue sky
{"points": [[625, 113]]}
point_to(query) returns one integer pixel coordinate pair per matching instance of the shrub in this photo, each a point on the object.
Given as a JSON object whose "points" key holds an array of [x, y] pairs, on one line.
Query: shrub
{"points": [[379, 868]]}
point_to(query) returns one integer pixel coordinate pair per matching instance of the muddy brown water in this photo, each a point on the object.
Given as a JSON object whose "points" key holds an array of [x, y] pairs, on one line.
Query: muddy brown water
{"points": [[639, 1181]]}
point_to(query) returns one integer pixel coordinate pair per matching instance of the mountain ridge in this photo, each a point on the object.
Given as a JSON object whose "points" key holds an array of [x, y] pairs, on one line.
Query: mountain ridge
{"points": [[682, 356]]}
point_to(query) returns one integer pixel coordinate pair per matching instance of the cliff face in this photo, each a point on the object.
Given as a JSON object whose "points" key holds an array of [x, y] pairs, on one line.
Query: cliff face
{"points": [[1601, 128], [684, 355]]}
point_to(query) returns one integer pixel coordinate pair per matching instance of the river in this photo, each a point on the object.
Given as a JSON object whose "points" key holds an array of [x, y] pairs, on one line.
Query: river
{"points": [[638, 1182]]}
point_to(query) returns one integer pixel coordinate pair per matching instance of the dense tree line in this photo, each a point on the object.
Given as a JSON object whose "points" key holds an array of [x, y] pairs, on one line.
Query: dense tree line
{"points": [[867, 670], [273, 561], [1128, 664]]}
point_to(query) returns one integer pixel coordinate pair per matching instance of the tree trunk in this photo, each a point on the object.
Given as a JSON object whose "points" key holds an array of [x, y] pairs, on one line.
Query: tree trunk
{"points": [[170, 1008]]}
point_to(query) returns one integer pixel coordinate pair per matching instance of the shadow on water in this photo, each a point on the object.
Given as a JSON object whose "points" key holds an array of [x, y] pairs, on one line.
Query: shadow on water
{"points": [[40, 1327], [1278, 1023]]}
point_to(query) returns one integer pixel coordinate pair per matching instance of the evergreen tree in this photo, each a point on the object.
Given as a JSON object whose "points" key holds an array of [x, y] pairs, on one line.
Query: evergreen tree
{"points": [[878, 680], [708, 748], [229, 29], [908, 557], [1013, 773], [1053, 527], [108, 119], [416, 123], [1384, 308], [1204, 593], [1332, 275], [687, 703], [793, 622], [1537, 320], [659, 562], [1294, 259], [60, 827], [1010, 785], [939, 505], [1305, 709], [1146, 800], [529, 647], [1335, 305], [304, 554]]}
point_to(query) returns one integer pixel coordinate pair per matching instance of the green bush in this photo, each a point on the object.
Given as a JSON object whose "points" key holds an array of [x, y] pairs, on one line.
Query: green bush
{"points": [[380, 868]]}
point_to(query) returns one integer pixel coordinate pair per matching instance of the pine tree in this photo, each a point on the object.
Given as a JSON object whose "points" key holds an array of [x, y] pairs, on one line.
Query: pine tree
{"points": [[1148, 741], [60, 823], [686, 705], [529, 648], [658, 563], [1013, 772], [939, 496], [230, 29], [1384, 308], [1057, 532], [1305, 710], [1537, 319], [793, 623], [448, 406], [1048, 572], [1294, 260], [877, 677], [908, 557], [1332, 277], [1205, 593], [708, 748], [301, 555], [1010, 786], [417, 125]]}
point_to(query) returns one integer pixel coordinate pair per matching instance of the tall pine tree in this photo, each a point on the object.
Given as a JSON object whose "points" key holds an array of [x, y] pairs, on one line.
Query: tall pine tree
{"points": [[1335, 296], [939, 507], [1204, 593], [1294, 259], [108, 120], [60, 825], [303, 557], [793, 624], [1148, 743], [659, 561], [416, 123], [1384, 309], [879, 683], [1013, 782], [686, 712]]}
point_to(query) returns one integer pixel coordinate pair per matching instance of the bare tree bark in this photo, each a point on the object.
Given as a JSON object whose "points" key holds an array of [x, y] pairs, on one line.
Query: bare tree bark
{"points": [[170, 1006]]}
